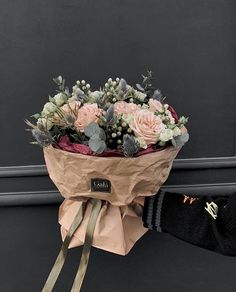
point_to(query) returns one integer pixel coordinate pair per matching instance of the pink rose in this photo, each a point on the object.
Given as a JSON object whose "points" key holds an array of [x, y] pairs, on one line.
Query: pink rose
{"points": [[123, 107], [147, 126], [155, 105], [87, 114]]}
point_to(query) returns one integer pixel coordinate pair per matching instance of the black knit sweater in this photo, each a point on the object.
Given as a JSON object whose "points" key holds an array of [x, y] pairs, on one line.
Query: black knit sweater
{"points": [[209, 222]]}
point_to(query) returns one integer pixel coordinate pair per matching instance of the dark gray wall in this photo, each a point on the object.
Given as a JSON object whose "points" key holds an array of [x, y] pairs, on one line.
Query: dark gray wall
{"points": [[189, 44]]}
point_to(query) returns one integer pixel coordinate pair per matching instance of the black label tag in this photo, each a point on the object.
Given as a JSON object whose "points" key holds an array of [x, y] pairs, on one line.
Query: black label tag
{"points": [[100, 185]]}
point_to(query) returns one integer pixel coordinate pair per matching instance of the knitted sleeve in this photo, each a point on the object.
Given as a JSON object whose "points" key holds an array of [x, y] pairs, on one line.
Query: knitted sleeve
{"points": [[209, 222]]}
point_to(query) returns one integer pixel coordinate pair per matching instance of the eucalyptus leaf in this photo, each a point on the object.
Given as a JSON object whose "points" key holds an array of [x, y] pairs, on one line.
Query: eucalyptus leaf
{"points": [[102, 134], [157, 94], [180, 140], [36, 116], [97, 145], [140, 87], [91, 130]]}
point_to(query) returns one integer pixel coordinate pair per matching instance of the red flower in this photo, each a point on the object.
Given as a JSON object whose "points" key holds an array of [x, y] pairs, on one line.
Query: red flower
{"points": [[173, 113]]}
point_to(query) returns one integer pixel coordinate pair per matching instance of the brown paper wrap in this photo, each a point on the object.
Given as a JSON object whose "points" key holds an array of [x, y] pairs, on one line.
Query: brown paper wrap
{"points": [[119, 224]]}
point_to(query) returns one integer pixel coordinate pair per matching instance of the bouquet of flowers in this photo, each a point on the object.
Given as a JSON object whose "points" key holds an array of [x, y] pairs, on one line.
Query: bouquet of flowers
{"points": [[105, 151]]}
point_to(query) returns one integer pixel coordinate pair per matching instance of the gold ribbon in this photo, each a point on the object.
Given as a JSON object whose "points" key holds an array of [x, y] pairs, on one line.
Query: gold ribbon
{"points": [[56, 269]]}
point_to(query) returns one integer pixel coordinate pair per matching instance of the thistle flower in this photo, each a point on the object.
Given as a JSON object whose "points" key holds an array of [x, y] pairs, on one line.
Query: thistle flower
{"points": [[43, 138], [122, 85], [129, 145]]}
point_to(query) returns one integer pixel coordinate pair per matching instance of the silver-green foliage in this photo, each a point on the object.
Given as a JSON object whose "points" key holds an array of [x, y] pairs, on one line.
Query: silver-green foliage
{"points": [[97, 138], [180, 140]]}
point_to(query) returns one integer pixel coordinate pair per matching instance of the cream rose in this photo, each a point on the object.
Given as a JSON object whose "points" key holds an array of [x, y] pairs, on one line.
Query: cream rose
{"points": [[59, 99], [166, 135], [49, 108], [155, 105], [147, 126], [87, 114], [123, 107], [45, 123]]}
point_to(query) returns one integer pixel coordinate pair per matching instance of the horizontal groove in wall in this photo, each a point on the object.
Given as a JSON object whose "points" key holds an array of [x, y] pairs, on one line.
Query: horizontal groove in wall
{"points": [[54, 197], [190, 163]]}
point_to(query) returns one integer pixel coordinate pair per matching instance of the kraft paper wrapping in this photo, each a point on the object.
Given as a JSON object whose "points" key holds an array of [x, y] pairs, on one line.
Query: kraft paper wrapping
{"points": [[119, 224]]}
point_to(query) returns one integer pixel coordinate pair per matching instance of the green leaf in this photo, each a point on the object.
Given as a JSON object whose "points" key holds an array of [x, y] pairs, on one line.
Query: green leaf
{"points": [[36, 116], [92, 129], [180, 140], [97, 145]]}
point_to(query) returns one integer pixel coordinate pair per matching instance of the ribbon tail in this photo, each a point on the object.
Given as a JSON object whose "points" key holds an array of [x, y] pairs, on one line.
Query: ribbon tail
{"points": [[60, 260], [97, 204]]}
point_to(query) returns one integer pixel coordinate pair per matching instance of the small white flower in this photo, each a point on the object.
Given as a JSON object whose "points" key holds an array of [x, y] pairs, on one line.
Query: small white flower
{"points": [[88, 86], [113, 135], [96, 94], [117, 79], [45, 123], [78, 82], [59, 99], [141, 142], [166, 106], [114, 83], [129, 130], [106, 85], [127, 118], [49, 108], [140, 95], [166, 135], [109, 80], [176, 131], [114, 99], [83, 82], [145, 106]]}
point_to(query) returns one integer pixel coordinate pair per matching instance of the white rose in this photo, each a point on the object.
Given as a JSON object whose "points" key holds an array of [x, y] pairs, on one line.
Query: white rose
{"points": [[45, 123], [176, 131], [166, 135], [49, 108], [59, 99]]}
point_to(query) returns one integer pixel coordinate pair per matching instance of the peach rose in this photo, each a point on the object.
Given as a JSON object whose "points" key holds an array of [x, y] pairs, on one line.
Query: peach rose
{"points": [[154, 105], [72, 106], [87, 114], [146, 125], [123, 107]]}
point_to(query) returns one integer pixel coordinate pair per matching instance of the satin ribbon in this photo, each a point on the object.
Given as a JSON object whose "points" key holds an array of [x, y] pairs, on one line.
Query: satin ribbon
{"points": [[57, 267]]}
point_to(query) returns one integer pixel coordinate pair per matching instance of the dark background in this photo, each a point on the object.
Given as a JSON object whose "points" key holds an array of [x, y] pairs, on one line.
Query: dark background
{"points": [[191, 47]]}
